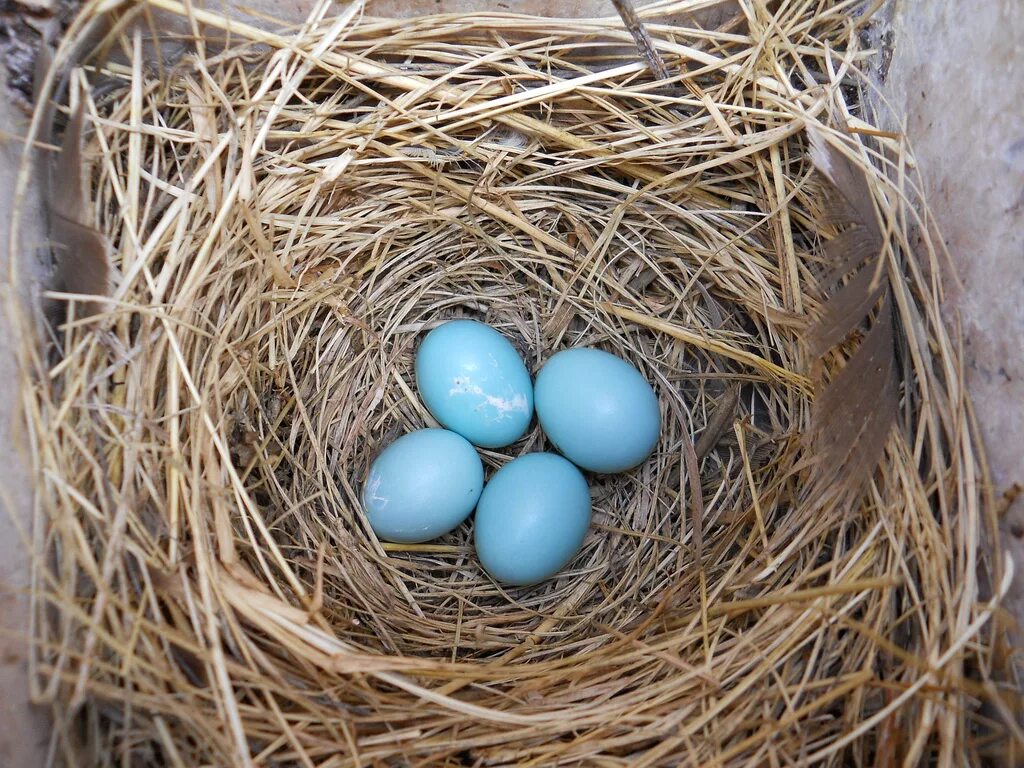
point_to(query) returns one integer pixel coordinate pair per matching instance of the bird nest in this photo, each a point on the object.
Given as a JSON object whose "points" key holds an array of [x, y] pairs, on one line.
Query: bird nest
{"points": [[791, 578]]}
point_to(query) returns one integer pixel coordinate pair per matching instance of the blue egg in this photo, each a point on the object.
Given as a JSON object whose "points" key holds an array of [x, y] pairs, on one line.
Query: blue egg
{"points": [[475, 383], [597, 409], [422, 486], [532, 518]]}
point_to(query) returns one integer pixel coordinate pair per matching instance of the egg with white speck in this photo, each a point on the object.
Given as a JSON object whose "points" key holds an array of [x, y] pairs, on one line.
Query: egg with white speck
{"points": [[422, 486], [474, 382]]}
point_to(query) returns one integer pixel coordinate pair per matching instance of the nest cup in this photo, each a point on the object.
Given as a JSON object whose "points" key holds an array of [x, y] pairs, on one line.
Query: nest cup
{"points": [[288, 220]]}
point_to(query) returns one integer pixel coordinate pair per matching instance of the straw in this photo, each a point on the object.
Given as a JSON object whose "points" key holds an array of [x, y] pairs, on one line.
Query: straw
{"points": [[289, 216]]}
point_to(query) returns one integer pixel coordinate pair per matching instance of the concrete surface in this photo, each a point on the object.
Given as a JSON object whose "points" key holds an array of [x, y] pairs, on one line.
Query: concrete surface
{"points": [[24, 731], [957, 75]]}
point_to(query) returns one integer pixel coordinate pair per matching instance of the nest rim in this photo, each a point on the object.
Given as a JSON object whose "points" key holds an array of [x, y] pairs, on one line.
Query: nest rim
{"points": [[285, 614]]}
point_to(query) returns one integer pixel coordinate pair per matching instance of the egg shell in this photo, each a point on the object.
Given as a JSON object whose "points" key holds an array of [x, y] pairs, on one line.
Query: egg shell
{"points": [[474, 382], [422, 486], [597, 409], [532, 518]]}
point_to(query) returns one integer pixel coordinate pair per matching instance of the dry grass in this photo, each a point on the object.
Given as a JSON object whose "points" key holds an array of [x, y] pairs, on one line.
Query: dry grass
{"points": [[288, 218]]}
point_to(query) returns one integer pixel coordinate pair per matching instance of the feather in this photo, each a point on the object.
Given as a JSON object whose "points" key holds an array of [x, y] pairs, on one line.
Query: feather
{"points": [[852, 416], [718, 422], [80, 252], [855, 411], [851, 200], [851, 302], [83, 265]]}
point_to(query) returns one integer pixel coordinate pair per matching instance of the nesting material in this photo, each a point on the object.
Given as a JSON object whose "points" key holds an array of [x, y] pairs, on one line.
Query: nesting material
{"points": [[290, 216]]}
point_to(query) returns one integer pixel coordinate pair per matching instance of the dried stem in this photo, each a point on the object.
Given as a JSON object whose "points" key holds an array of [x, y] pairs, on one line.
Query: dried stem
{"points": [[290, 215]]}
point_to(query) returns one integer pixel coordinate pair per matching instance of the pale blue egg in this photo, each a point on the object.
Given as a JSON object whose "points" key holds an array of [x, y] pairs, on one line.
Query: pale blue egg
{"points": [[475, 383], [422, 486], [532, 518], [597, 409]]}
